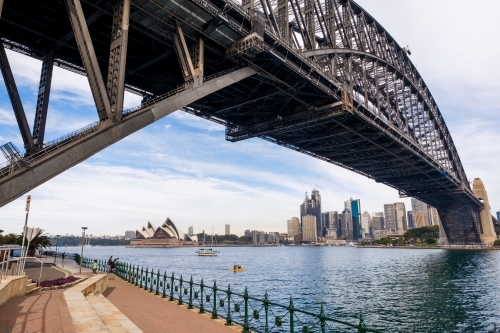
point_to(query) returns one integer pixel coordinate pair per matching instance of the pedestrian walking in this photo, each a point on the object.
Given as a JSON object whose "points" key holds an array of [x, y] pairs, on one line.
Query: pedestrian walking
{"points": [[113, 264], [63, 256], [94, 267]]}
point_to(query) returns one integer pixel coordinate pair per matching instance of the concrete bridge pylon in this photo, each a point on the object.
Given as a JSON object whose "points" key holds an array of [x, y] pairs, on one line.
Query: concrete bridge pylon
{"points": [[488, 234]]}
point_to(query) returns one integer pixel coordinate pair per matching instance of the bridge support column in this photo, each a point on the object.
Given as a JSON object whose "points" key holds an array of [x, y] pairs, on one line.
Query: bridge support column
{"points": [[488, 235], [193, 76], [15, 100], [89, 59], [42, 103], [118, 58], [459, 225]]}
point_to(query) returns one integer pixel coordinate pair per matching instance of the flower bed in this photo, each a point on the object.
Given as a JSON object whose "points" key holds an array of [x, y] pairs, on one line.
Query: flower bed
{"points": [[60, 283]]}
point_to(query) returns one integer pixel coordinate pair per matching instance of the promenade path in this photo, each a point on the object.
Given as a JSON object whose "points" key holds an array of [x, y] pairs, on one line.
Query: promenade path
{"points": [[47, 311]]}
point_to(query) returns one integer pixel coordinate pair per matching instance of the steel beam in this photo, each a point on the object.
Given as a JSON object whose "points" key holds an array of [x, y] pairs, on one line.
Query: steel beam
{"points": [[89, 59], [75, 151], [118, 58], [15, 100], [42, 103]]}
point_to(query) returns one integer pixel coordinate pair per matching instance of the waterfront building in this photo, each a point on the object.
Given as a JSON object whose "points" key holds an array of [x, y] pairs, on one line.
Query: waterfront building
{"points": [[190, 231], [409, 219], [345, 224], [356, 218], [258, 237], [128, 234], [434, 216], [248, 233], [329, 221], [227, 229], [165, 235], [390, 217], [429, 215], [400, 215], [312, 206], [420, 219], [366, 222], [378, 221], [309, 230], [293, 227], [378, 234]]}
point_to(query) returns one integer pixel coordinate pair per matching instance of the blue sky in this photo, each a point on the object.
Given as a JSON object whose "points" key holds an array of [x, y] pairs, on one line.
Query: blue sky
{"points": [[182, 167]]}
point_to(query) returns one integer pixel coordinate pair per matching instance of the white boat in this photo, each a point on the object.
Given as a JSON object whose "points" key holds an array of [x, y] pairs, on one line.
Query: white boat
{"points": [[207, 252]]}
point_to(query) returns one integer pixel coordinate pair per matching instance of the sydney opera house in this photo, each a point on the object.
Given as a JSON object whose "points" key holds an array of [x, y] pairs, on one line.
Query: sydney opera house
{"points": [[166, 235]]}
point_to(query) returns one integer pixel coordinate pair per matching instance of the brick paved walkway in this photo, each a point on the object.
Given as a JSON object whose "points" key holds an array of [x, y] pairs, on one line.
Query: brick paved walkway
{"points": [[154, 314], [43, 312]]}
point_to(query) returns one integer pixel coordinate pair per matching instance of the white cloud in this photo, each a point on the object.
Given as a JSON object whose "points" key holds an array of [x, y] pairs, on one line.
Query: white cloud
{"points": [[7, 117]]}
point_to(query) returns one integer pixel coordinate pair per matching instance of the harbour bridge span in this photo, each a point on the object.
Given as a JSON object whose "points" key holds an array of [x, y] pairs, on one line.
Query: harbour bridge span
{"points": [[321, 77]]}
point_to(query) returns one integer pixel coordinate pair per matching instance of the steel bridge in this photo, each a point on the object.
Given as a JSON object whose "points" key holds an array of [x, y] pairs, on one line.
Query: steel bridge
{"points": [[321, 77]]}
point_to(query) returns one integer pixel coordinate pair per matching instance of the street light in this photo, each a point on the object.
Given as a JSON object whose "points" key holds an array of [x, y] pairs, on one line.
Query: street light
{"points": [[57, 242], [83, 242]]}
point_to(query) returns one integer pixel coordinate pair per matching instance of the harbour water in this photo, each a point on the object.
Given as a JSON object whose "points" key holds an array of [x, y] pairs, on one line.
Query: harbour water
{"points": [[395, 289]]}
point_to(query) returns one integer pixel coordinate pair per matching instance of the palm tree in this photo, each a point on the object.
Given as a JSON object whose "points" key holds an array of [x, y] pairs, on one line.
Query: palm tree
{"points": [[39, 242]]}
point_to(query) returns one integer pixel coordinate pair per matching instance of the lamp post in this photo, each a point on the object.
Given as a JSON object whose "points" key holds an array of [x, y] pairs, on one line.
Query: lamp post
{"points": [[57, 242], [83, 241]]}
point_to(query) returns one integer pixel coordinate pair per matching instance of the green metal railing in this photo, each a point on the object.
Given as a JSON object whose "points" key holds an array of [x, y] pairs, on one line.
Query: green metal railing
{"points": [[252, 313]]}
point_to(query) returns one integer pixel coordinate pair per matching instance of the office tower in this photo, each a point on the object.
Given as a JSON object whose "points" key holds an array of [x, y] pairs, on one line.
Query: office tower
{"points": [[345, 224], [400, 211], [190, 231], [227, 230], [421, 213], [356, 219], [329, 220], [366, 220], [409, 220], [130, 234], [312, 207], [248, 233], [378, 221], [435, 220], [309, 228], [293, 227], [390, 217]]}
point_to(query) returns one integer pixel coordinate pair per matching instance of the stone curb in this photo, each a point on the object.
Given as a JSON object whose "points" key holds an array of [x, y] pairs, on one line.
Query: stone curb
{"points": [[64, 286]]}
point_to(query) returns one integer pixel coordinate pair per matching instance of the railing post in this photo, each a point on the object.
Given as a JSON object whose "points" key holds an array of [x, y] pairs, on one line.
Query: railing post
{"points": [[190, 304], [171, 298], [229, 321], [146, 279], [245, 320], [322, 319], [266, 309], [291, 310], [142, 277], [180, 291], [151, 283], [214, 294], [202, 302], [361, 325], [137, 276], [164, 285], [157, 282]]}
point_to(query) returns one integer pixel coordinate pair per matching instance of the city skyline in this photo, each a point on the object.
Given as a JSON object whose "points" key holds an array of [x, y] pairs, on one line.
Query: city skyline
{"points": [[182, 167]]}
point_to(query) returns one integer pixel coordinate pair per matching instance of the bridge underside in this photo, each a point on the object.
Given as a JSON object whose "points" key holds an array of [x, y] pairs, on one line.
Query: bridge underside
{"points": [[355, 101]]}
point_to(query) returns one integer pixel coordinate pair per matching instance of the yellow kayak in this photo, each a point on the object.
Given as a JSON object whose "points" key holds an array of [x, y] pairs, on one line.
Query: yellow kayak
{"points": [[240, 269]]}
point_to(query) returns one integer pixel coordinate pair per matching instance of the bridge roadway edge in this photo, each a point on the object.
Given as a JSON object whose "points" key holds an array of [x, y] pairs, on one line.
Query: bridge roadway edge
{"points": [[44, 170]]}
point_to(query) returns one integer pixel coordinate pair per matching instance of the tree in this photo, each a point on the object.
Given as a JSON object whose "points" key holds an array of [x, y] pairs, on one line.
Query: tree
{"points": [[422, 233], [39, 242]]}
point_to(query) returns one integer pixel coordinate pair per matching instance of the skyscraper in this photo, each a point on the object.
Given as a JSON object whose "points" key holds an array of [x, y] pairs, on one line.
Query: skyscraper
{"points": [[293, 227], [378, 221], [423, 214], [356, 219], [390, 217], [366, 220], [248, 233], [345, 224], [312, 207], [227, 230], [190, 231], [329, 220], [400, 214], [309, 228], [409, 220]]}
